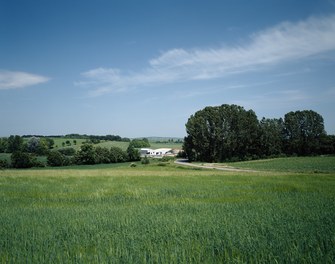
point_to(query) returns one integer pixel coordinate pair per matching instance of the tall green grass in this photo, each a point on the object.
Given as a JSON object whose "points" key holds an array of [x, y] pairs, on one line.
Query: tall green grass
{"points": [[324, 164], [155, 214]]}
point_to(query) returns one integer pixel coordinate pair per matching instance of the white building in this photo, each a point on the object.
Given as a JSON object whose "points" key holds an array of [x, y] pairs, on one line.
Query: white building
{"points": [[155, 152]]}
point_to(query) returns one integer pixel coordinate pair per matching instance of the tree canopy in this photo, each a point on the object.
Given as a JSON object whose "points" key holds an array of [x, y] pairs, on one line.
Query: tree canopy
{"points": [[229, 132]]}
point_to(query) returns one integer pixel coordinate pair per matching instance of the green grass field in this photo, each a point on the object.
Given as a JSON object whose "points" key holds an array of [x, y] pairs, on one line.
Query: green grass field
{"points": [[321, 164], [168, 214], [109, 144]]}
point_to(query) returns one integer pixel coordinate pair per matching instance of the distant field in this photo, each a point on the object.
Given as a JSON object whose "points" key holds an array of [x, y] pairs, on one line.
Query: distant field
{"points": [[163, 213], [59, 142], [172, 145], [109, 144]]}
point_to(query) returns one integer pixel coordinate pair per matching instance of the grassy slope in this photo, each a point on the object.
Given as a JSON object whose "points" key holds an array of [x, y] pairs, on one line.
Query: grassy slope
{"points": [[166, 214], [322, 164], [109, 144]]}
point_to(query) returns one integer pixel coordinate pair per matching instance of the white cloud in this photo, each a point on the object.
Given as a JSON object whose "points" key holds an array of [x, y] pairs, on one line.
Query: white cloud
{"points": [[282, 43], [14, 80]]}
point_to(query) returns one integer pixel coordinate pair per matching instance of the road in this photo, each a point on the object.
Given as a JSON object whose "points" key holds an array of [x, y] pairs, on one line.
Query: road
{"points": [[184, 162]]}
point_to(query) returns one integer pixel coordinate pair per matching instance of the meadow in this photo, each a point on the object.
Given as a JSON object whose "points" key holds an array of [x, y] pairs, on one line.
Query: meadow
{"points": [[165, 213], [108, 144]]}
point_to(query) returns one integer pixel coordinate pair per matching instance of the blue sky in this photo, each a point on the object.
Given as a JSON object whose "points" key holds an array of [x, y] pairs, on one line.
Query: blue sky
{"points": [[141, 68]]}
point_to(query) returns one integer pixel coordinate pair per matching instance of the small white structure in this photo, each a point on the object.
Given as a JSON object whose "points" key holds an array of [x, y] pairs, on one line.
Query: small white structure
{"points": [[155, 152]]}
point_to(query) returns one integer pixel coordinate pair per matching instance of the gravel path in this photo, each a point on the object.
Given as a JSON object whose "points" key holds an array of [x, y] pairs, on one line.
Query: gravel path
{"points": [[184, 162]]}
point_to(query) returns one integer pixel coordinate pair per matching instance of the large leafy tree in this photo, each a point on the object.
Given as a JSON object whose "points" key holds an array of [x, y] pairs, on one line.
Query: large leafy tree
{"points": [[14, 144], [304, 131], [271, 136], [55, 159], [221, 133], [133, 153], [22, 160], [3, 144], [86, 155], [117, 155], [102, 155]]}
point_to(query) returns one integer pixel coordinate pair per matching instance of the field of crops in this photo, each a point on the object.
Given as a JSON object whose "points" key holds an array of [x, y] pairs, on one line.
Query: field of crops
{"points": [[168, 214]]}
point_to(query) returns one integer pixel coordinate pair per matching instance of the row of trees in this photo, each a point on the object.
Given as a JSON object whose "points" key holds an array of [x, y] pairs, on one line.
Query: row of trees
{"points": [[229, 132], [36, 145], [88, 154], [83, 136]]}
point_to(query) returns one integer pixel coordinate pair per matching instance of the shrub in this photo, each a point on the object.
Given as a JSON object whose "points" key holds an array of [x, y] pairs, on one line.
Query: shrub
{"points": [[133, 153], [167, 158], [102, 155], [145, 160], [67, 151], [86, 155], [116, 154], [55, 159], [4, 164], [22, 160]]}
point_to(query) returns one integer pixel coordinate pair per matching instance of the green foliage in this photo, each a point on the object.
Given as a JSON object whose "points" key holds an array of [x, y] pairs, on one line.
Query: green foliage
{"points": [[55, 159], [102, 155], [133, 153], [167, 159], [303, 132], [22, 160], [4, 164], [3, 145], [86, 155], [38, 146], [145, 160], [328, 144], [67, 151], [14, 143], [271, 137], [116, 155], [140, 143], [230, 133], [168, 216], [222, 133]]}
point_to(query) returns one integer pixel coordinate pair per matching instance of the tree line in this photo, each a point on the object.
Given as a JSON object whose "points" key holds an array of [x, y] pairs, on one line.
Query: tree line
{"points": [[231, 133], [90, 155], [24, 154]]}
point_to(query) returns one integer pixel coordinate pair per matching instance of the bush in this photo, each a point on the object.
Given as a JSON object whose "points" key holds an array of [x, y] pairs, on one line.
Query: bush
{"points": [[86, 155], [167, 159], [22, 160], [116, 154], [145, 160], [133, 154], [55, 159], [102, 155], [67, 151], [4, 164], [140, 143]]}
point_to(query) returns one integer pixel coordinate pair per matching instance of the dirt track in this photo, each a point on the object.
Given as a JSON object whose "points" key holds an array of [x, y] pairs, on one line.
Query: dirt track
{"points": [[184, 162]]}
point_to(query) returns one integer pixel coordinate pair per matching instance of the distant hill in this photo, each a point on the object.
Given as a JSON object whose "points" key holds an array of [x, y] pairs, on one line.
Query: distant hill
{"points": [[165, 139]]}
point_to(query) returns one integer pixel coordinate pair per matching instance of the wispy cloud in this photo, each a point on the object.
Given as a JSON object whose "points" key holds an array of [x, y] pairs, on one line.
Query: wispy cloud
{"points": [[282, 43], [14, 79]]}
